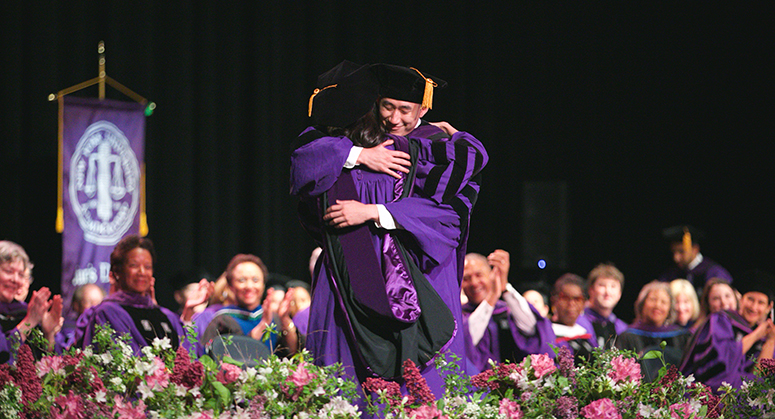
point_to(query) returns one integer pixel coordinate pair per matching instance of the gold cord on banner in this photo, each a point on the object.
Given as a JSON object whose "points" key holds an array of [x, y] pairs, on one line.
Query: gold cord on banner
{"points": [[315, 93], [427, 96], [60, 222], [143, 216]]}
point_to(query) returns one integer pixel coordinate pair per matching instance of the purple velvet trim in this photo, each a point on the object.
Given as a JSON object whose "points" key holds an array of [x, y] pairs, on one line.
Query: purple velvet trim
{"points": [[130, 299]]}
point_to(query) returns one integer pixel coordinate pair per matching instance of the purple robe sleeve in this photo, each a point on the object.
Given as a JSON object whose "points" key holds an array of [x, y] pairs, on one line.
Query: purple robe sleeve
{"points": [[316, 165], [715, 355]]}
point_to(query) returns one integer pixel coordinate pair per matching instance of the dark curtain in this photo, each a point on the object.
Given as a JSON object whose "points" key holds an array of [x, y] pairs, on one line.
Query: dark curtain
{"points": [[652, 113]]}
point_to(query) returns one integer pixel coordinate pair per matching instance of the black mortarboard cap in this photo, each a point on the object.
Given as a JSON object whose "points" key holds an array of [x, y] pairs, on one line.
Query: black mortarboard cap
{"points": [[343, 95], [676, 234], [407, 83], [756, 280]]}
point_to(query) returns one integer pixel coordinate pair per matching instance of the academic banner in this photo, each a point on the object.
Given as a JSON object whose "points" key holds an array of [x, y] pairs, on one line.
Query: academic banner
{"points": [[103, 144]]}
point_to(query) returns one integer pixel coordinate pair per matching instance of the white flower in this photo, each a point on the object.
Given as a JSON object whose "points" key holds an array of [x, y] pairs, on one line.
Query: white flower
{"points": [[645, 410], [117, 382], [271, 394], [87, 352], [195, 392], [339, 406], [144, 390], [99, 396], [106, 358], [162, 344], [180, 391], [154, 414], [264, 371], [319, 391], [147, 351]]}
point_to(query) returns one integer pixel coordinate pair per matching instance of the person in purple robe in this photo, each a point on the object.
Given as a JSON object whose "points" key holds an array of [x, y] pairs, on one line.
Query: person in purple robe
{"points": [[247, 316], [690, 264], [499, 323], [654, 317], [220, 297], [604, 286], [17, 318], [84, 297], [131, 310], [717, 295], [730, 343], [392, 216]]}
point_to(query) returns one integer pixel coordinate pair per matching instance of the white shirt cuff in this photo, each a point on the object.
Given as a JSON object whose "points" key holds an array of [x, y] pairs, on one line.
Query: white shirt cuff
{"points": [[478, 321], [386, 219], [355, 152]]}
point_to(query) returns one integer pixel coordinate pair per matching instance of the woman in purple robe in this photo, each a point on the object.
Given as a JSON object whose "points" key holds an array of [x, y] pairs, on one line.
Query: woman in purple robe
{"points": [[18, 318], [654, 316], [131, 310], [382, 295]]}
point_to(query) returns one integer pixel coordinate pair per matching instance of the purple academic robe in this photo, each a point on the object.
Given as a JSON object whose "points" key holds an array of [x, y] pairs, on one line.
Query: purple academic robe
{"points": [[200, 321], [436, 223], [11, 314], [701, 273], [642, 338], [112, 312], [489, 347], [715, 353], [301, 320], [591, 318]]}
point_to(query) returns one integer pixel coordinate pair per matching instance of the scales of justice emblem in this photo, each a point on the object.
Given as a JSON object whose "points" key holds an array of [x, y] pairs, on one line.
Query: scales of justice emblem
{"points": [[104, 184]]}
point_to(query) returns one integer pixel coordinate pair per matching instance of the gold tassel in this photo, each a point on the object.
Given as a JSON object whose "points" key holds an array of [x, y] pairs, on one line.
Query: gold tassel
{"points": [[143, 216], [427, 96], [687, 241], [311, 98], [60, 221]]}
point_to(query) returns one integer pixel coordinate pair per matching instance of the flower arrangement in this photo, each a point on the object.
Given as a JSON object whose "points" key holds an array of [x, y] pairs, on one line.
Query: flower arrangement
{"points": [[107, 380], [608, 386]]}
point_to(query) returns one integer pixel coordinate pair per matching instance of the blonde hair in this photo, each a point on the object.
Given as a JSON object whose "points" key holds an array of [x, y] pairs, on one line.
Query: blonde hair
{"points": [[684, 287]]}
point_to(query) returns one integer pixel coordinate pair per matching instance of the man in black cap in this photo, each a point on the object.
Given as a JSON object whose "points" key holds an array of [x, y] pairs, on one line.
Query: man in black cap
{"points": [[690, 264]]}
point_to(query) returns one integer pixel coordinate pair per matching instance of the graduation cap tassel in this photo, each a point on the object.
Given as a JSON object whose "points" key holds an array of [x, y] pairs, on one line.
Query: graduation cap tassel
{"points": [[315, 93], [687, 241], [427, 96]]}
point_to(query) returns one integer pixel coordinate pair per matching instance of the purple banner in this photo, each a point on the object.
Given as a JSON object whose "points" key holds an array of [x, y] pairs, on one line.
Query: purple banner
{"points": [[103, 146]]}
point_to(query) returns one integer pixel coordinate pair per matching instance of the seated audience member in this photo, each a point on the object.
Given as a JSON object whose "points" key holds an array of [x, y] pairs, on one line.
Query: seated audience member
{"points": [[717, 295], [301, 297], [568, 300], [729, 344], [17, 318], [245, 275], [538, 300], [604, 286], [193, 288], [84, 298], [131, 308], [498, 329], [687, 306], [654, 316], [689, 262]]}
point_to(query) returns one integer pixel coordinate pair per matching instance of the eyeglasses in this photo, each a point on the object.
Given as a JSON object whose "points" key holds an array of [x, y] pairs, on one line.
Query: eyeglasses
{"points": [[579, 299]]}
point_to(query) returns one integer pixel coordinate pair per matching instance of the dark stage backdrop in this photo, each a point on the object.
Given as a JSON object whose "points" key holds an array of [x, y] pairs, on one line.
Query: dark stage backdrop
{"points": [[647, 114]]}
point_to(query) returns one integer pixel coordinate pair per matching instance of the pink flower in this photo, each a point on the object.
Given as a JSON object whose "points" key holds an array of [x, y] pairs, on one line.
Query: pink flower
{"points": [[601, 409], [625, 369], [26, 376], [542, 365], [48, 364], [186, 372], [160, 376], [301, 376], [681, 410], [511, 409], [228, 373], [70, 407], [427, 412], [126, 411]]}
